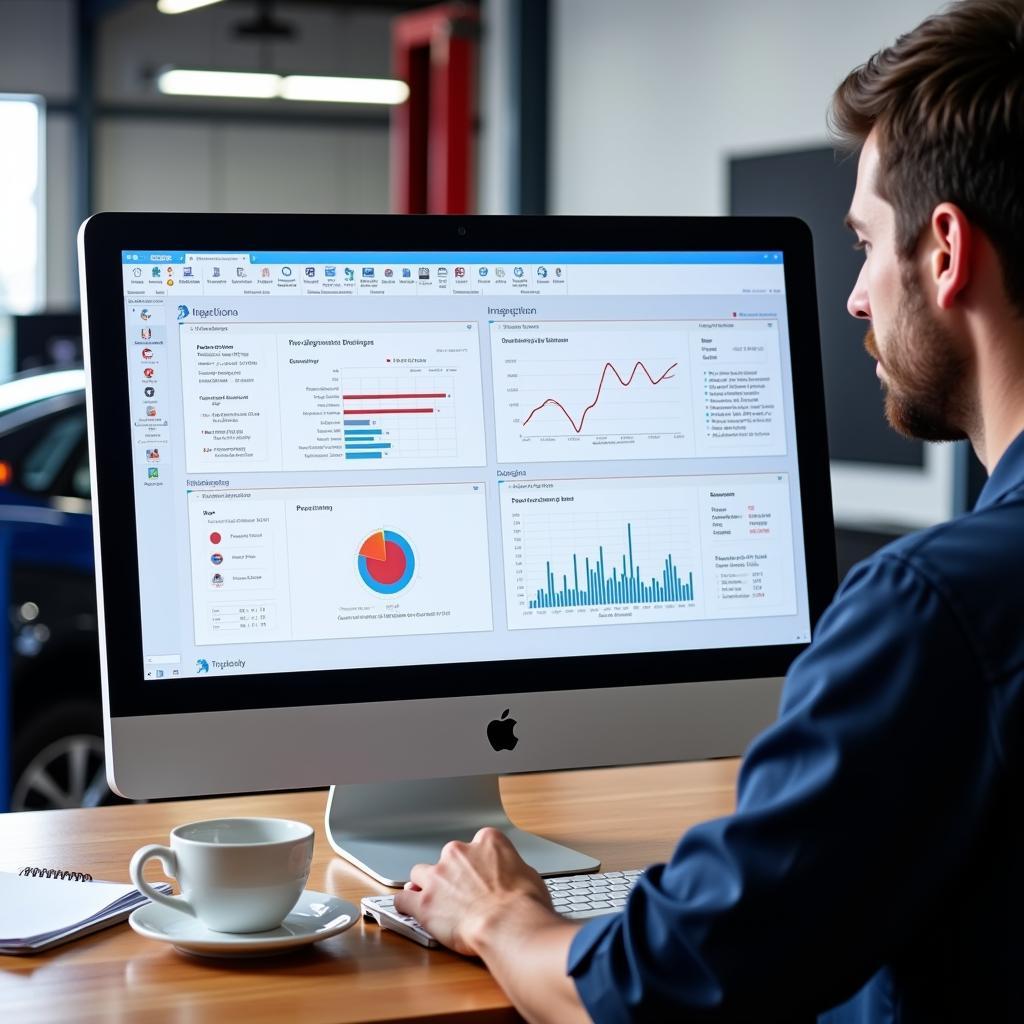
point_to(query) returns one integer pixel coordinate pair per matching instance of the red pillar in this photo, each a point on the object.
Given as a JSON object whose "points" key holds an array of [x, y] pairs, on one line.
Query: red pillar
{"points": [[434, 51]]}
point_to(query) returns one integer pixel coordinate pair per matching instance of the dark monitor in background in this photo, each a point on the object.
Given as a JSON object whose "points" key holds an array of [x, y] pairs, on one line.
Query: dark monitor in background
{"points": [[47, 340], [880, 481]]}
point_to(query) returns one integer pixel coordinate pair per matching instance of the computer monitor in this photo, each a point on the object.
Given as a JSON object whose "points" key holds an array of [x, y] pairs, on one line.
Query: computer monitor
{"points": [[402, 503]]}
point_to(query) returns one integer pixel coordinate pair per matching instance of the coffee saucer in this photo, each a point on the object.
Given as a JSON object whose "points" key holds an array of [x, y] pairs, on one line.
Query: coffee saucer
{"points": [[316, 916]]}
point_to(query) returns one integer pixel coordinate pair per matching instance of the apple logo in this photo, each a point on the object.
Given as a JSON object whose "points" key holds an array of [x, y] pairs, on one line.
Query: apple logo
{"points": [[501, 733]]}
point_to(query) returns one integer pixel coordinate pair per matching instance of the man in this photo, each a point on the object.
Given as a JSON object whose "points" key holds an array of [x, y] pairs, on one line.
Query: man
{"points": [[874, 867]]}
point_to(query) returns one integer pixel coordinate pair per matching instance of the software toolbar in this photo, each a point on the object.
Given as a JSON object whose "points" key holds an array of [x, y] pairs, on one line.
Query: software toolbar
{"points": [[385, 274]]}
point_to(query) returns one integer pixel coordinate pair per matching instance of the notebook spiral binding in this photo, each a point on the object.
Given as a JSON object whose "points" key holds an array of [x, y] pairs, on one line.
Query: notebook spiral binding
{"points": [[66, 876]]}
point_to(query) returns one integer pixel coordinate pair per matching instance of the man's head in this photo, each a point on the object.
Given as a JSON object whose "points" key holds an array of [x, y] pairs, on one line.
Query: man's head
{"points": [[939, 119]]}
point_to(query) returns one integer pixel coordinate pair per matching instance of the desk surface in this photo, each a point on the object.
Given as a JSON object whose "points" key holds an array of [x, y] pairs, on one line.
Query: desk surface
{"points": [[629, 817]]}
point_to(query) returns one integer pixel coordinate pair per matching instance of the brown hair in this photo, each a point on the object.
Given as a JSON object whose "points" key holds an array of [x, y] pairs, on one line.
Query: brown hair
{"points": [[948, 101]]}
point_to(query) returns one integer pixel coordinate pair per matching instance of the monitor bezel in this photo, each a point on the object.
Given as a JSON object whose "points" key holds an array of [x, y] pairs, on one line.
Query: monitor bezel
{"points": [[103, 239]]}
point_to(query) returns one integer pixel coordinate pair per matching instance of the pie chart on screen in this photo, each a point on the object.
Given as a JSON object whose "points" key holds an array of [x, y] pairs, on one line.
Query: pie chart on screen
{"points": [[386, 562]]}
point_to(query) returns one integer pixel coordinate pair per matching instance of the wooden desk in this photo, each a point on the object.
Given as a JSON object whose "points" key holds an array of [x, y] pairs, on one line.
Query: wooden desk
{"points": [[629, 817]]}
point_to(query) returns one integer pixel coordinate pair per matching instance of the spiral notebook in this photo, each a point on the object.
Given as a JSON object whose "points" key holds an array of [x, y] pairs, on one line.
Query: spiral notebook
{"points": [[41, 907]]}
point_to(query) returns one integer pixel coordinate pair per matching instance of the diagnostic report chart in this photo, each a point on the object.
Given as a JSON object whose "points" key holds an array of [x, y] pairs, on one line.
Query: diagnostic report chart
{"points": [[584, 552], [339, 562], [594, 390], [400, 419], [597, 584], [344, 396], [567, 390], [646, 549]]}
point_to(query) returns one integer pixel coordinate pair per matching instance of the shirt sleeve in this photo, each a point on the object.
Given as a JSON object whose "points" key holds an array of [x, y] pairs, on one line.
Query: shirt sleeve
{"points": [[854, 809]]}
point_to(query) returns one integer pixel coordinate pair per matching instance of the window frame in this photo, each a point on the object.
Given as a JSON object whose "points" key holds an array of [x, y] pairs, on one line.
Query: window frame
{"points": [[38, 198]]}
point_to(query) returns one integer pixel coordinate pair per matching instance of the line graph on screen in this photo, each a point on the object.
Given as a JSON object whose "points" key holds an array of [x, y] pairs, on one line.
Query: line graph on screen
{"points": [[568, 391], [625, 382]]}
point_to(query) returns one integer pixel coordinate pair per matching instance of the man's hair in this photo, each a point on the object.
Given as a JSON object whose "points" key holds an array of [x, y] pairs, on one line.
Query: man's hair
{"points": [[947, 100]]}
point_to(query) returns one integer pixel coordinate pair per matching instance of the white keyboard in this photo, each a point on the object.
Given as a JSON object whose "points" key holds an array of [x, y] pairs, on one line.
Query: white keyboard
{"points": [[573, 896]]}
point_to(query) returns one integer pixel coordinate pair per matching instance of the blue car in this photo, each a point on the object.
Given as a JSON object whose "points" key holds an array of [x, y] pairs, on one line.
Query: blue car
{"points": [[51, 735]]}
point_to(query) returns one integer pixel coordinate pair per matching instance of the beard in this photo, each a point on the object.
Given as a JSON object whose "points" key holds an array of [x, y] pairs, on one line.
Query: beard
{"points": [[926, 378]]}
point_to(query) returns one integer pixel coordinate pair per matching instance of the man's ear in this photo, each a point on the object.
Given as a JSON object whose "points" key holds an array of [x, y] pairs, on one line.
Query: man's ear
{"points": [[950, 260]]}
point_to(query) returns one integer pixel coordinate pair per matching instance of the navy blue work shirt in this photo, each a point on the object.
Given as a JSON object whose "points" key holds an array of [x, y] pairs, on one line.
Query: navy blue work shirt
{"points": [[874, 868]]}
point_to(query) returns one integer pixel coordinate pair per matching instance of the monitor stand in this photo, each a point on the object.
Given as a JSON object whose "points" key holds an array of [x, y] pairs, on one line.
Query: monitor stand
{"points": [[385, 828]]}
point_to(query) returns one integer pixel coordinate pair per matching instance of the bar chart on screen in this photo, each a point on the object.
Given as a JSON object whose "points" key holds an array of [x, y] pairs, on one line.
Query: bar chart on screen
{"points": [[579, 552], [269, 397], [405, 418], [645, 549]]}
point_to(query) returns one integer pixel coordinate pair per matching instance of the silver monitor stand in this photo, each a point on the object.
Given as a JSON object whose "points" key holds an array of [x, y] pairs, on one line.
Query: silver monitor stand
{"points": [[385, 828]]}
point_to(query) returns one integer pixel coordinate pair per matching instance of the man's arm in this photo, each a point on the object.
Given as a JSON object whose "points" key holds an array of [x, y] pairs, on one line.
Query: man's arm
{"points": [[480, 899], [856, 811]]}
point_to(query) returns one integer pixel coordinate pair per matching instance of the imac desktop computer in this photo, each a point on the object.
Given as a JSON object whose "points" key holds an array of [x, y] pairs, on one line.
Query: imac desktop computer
{"points": [[400, 504]]}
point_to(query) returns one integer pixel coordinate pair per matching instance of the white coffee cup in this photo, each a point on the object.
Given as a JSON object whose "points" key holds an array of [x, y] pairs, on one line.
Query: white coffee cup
{"points": [[235, 874]]}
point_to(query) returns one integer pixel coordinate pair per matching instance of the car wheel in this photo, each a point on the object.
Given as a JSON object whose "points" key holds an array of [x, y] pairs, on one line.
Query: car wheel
{"points": [[58, 760]]}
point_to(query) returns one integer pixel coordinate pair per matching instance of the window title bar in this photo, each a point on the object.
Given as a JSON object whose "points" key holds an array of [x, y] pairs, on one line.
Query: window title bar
{"points": [[424, 256]]}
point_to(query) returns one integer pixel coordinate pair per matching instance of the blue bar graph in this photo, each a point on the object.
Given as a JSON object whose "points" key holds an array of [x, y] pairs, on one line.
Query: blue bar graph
{"points": [[592, 583], [362, 439]]}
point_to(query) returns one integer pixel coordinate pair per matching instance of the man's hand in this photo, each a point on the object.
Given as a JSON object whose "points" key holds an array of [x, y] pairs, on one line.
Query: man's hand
{"points": [[471, 886], [481, 899]]}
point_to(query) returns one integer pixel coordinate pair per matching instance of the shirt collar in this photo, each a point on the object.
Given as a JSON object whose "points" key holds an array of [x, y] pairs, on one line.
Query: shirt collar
{"points": [[1007, 476]]}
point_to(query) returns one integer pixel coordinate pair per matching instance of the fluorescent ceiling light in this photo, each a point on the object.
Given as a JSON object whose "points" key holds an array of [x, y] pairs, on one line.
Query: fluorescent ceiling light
{"points": [[245, 84], [326, 89], [181, 6], [261, 86]]}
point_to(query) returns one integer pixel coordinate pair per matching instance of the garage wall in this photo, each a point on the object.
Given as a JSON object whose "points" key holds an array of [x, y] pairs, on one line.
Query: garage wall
{"points": [[649, 99]]}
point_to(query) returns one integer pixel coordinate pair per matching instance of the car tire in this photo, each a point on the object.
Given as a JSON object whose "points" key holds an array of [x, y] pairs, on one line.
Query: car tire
{"points": [[57, 759]]}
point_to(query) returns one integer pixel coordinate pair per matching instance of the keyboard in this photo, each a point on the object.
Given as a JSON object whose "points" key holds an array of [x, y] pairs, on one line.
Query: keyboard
{"points": [[574, 896]]}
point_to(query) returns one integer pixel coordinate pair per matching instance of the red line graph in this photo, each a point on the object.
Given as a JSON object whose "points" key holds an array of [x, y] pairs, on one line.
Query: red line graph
{"points": [[667, 375]]}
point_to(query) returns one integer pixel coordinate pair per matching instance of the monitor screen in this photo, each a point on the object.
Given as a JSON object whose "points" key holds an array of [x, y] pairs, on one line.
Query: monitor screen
{"points": [[367, 460]]}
